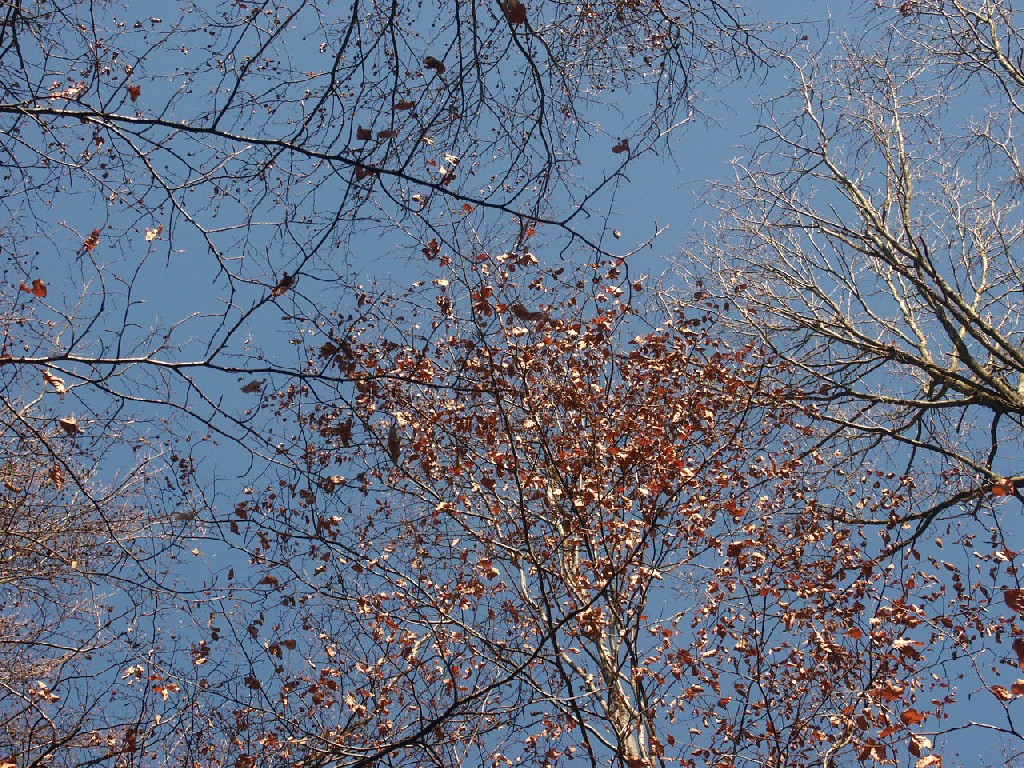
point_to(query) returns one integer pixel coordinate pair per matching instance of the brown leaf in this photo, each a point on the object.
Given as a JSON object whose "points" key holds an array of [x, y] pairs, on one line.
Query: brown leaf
{"points": [[1014, 598], [912, 717], [331, 483], [394, 443], [71, 426], [931, 761], [1018, 648], [514, 11], [390, 133], [1004, 487], [154, 232], [364, 134], [435, 64], [918, 743], [907, 647], [521, 312], [57, 476], [622, 146], [252, 682], [38, 288], [1017, 689], [130, 742], [1004, 555], [872, 751], [362, 172], [93, 240], [56, 382], [1001, 692], [134, 91], [253, 386], [404, 104], [284, 285]]}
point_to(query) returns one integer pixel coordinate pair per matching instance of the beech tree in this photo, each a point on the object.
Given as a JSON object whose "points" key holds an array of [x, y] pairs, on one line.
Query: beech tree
{"points": [[559, 524]]}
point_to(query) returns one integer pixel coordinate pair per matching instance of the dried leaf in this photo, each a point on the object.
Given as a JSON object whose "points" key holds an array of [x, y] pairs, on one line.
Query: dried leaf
{"points": [[134, 91], [284, 285], [331, 483], [1004, 487], [363, 134], [622, 146], [38, 288], [908, 647], [362, 172], [931, 761], [1018, 648], [912, 717], [56, 382], [1001, 692], [616, 234], [252, 682], [521, 312], [514, 11], [71, 426], [93, 240], [1017, 689], [394, 443], [253, 386], [435, 64], [404, 104], [1014, 598], [872, 751], [1004, 555], [919, 743], [57, 476], [154, 232], [73, 92], [390, 133]]}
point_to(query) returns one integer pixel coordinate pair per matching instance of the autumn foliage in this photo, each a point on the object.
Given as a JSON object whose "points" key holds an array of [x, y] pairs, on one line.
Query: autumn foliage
{"points": [[262, 504], [587, 529]]}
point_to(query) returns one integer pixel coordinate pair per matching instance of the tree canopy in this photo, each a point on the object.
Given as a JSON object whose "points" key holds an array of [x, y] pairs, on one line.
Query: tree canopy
{"points": [[341, 427]]}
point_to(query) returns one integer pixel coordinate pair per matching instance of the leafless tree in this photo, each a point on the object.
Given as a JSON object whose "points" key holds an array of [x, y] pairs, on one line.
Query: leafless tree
{"points": [[85, 538], [872, 240]]}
